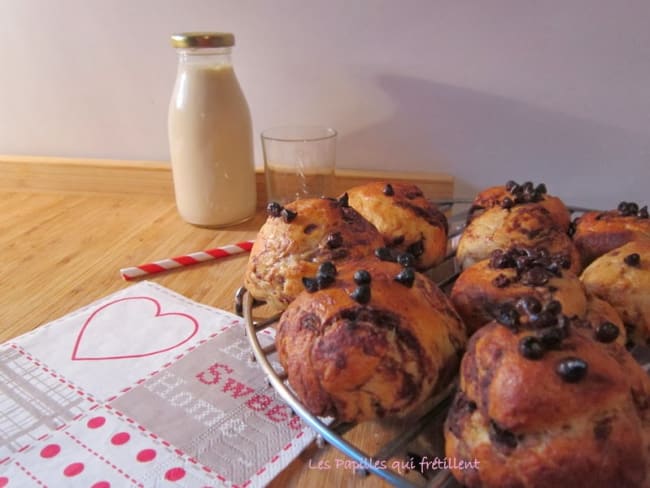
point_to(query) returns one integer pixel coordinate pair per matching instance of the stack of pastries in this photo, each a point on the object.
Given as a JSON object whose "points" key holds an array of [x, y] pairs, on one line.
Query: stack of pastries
{"points": [[363, 333], [538, 408], [539, 323], [548, 393]]}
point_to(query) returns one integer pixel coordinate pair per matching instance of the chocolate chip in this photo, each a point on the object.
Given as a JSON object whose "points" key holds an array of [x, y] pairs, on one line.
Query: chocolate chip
{"points": [[529, 304], [540, 255], [554, 268], [507, 203], [361, 294], [310, 284], [406, 260], [628, 209], [633, 259], [534, 266], [523, 262], [385, 254], [326, 275], [554, 307], [398, 240], [551, 338], [572, 369], [343, 200], [388, 190], [510, 184], [500, 260], [508, 315], [417, 248], [501, 281], [288, 215], [534, 277], [406, 277], [526, 192], [327, 269], [531, 348], [544, 319], [273, 209], [334, 240], [643, 212], [362, 277], [324, 281], [607, 332], [563, 325]]}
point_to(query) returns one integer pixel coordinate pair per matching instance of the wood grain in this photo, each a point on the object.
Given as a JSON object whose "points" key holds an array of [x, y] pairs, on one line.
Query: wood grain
{"points": [[63, 247], [155, 177], [85, 175]]}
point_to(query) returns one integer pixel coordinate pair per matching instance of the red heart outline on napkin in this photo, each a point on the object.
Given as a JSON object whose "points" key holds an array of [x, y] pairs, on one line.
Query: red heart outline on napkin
{"points": [[158, 314]]}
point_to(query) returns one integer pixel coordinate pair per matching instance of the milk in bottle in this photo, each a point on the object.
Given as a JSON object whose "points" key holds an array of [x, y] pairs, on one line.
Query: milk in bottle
{"points": [[210, 134]]}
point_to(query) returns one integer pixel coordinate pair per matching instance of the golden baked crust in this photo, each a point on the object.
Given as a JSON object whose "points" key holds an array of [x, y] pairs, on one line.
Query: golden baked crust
{"points": [[624, 286], [599, 232], [408, 221], [358, 361], [526, 226], [483, 287], [496, 196], [527, 425], [286, 250]]}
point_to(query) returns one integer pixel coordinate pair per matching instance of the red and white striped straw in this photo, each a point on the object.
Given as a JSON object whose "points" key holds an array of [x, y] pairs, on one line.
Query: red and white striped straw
{"points": [[185, 260]]}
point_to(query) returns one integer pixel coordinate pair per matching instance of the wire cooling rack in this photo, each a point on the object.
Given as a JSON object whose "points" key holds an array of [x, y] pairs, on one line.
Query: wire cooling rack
{"points": [[407, 443]]}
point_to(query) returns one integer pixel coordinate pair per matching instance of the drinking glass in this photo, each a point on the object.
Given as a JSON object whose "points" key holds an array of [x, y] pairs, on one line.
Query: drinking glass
{"points": [[299, 162]]}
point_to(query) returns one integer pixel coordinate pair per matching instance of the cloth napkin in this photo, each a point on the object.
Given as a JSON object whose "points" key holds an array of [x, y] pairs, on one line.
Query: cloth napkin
{"points": [[142, 388]]}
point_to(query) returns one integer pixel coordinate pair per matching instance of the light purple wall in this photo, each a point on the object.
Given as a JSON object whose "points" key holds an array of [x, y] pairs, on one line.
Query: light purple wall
{"points": [[554, 91]]}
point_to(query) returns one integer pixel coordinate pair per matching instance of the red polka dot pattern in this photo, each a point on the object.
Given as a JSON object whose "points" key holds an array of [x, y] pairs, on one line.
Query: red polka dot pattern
{"points": [[3, 481], [175, 474], [101, 484], [73, 469], [50, 451], [146, 455], [120, 438], [96, 422]]}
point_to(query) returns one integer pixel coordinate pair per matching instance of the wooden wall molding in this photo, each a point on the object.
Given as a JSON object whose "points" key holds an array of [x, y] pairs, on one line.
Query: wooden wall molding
{"points": [[39, 173]]}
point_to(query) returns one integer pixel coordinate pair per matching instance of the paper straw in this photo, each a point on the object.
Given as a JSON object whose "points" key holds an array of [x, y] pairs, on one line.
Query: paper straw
{"points": [[185, 260]]}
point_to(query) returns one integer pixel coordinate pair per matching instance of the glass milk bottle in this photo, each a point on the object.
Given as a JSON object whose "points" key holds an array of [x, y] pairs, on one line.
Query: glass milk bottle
{"points": [[210, 134]]}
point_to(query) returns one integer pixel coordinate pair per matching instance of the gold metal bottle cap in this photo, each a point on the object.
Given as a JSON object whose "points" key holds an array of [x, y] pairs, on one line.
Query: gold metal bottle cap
{"points": [[203, 39]]}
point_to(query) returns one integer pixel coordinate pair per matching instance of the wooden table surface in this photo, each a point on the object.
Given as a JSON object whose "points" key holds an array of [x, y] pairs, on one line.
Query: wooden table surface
{"points": [[63, 250]]}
